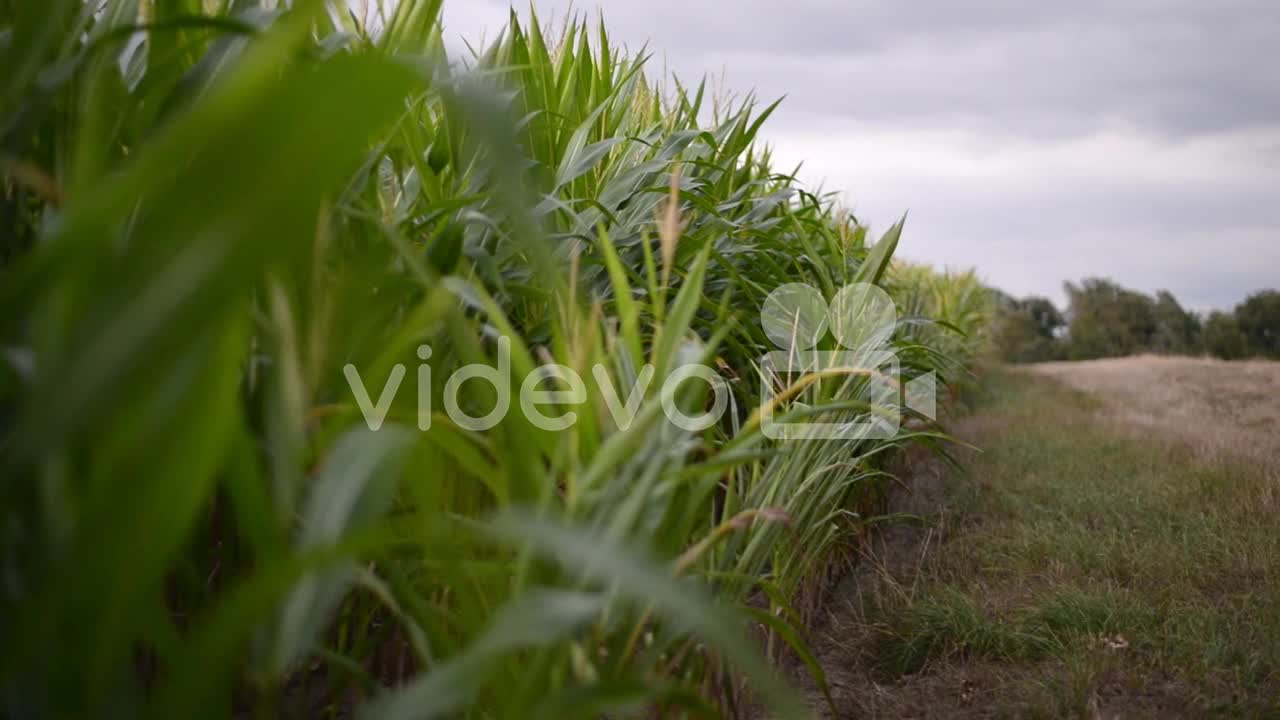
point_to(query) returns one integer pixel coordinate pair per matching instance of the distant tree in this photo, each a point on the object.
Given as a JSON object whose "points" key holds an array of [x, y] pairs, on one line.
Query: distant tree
{"points": [[1000, 298], [1044, 314], [1258, 318], [1222, 337], [1026, 330], [1177, 331], [1104, 319], [1107, 320]]}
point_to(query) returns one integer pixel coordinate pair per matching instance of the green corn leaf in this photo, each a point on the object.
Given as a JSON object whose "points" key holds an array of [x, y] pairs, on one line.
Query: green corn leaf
{"points": [[538, 617], [877, 261], [353, 488], [624, 568]]}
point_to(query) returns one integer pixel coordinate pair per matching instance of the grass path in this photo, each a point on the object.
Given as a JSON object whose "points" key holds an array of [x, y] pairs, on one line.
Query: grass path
{"points": [[1081, 565]]}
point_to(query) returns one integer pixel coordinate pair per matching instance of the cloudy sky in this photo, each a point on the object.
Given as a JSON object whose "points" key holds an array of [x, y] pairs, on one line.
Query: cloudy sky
{"points": [[1037, 142]]}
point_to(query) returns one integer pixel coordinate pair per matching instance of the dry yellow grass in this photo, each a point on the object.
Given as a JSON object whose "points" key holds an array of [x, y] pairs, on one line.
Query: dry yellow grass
{"points": [[1215, 406]]}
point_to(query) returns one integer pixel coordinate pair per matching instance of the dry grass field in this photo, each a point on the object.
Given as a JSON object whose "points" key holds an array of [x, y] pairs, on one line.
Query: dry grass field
{"points": [[1217, 407]]}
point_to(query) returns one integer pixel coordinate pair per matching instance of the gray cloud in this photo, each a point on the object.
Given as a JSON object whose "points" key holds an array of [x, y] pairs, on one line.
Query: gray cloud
{"points": [[1015, 67], [1037, 141]]}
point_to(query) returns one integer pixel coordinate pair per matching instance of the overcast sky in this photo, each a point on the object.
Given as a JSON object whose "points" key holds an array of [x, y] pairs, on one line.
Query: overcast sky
{"points": [[1038, 142]]}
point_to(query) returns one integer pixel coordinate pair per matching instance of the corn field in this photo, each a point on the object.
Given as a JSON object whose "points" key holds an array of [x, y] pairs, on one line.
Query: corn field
{"points": [[215, 212]]}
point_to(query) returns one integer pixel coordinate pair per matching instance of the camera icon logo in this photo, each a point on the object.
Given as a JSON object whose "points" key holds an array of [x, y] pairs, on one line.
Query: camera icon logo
{"points": [[859, 378]]}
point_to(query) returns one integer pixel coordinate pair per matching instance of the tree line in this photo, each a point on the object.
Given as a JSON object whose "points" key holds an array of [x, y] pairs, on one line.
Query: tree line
{"points": [[1104, 319]]}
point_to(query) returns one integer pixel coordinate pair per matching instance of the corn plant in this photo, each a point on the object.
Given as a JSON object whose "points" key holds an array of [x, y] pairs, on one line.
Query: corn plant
{"points": [[231, 228]]}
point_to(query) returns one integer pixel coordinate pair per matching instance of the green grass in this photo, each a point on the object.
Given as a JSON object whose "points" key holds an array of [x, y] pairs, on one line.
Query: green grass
{"points": [[1101, 560]]}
